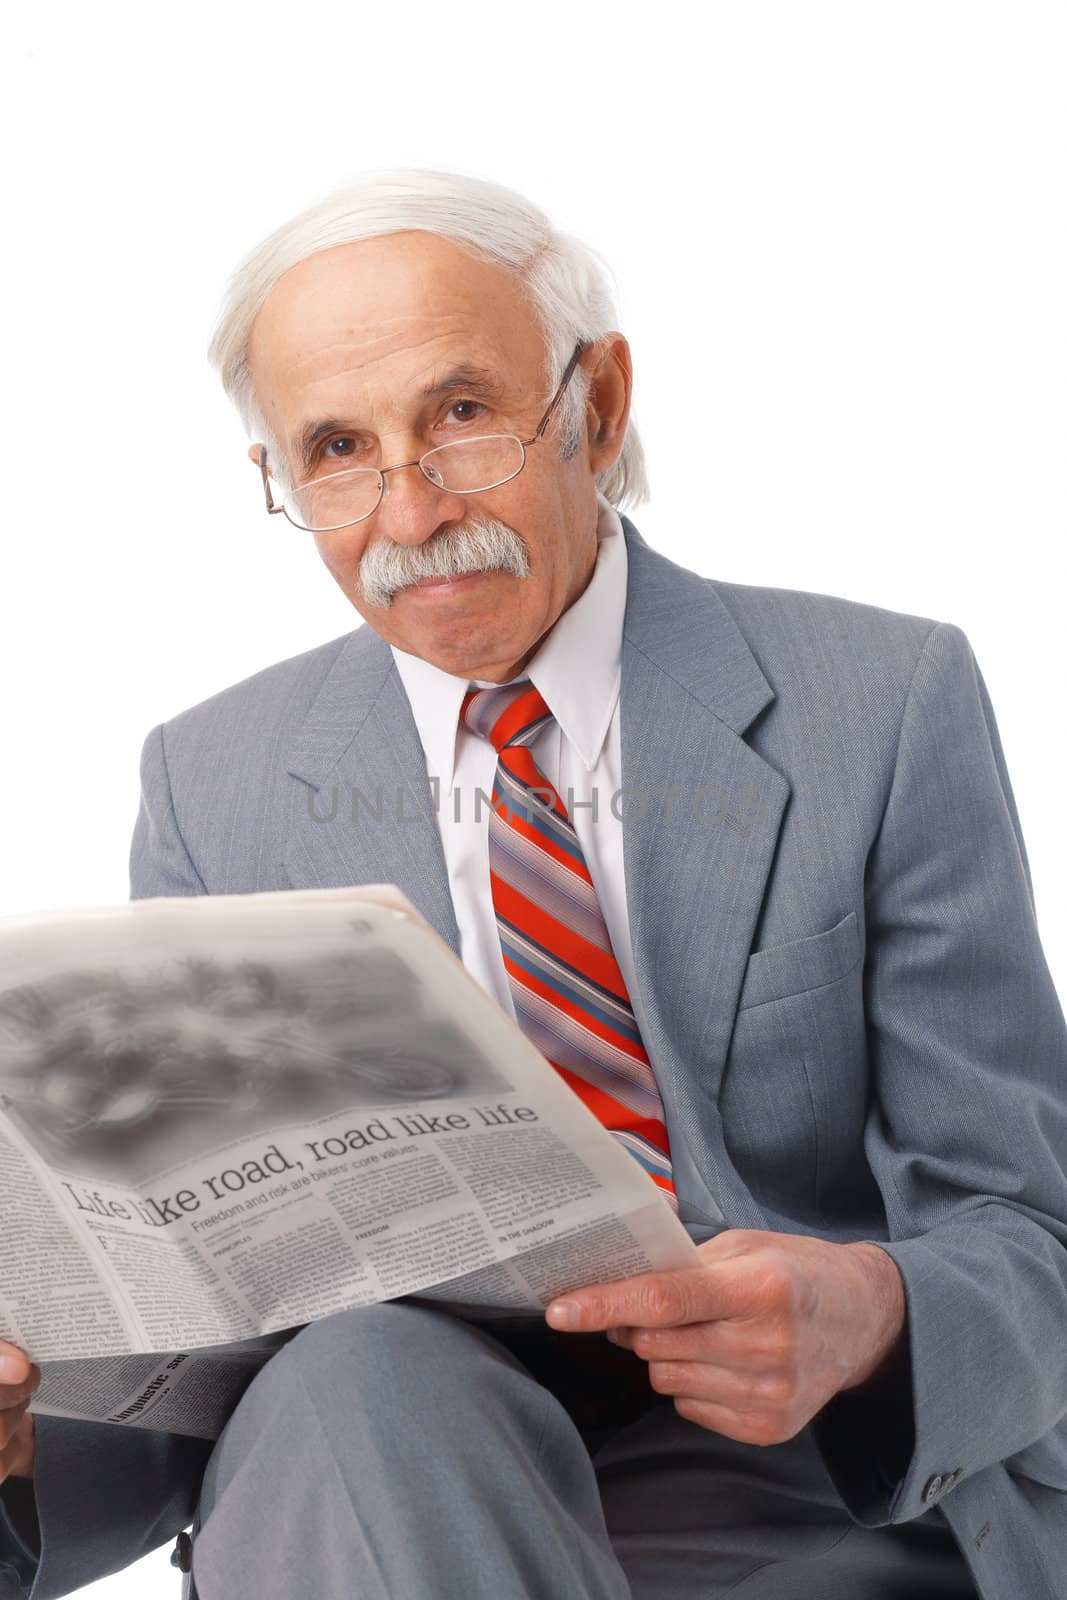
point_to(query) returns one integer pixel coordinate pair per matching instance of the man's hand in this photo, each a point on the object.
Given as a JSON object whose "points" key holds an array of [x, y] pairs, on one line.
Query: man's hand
{"points": [[755, 1340], [18, 1379]]}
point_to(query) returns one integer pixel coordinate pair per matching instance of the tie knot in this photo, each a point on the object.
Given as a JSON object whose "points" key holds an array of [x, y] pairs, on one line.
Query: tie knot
{"points": [[514, 713]]}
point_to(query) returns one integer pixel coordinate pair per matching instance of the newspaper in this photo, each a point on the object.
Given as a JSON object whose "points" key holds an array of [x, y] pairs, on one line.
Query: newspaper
{"points": [[223, 1117]]}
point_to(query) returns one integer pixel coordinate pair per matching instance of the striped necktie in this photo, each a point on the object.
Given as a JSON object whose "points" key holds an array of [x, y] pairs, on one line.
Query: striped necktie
{"points": [[570, 997]]}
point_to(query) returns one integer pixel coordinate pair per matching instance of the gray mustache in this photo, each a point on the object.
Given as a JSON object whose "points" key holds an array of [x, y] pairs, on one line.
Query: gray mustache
{"points": [[480, 545]]}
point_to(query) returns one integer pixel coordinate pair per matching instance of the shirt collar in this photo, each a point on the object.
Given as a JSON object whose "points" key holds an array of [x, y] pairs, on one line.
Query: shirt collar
{"points": [[576, 667]]}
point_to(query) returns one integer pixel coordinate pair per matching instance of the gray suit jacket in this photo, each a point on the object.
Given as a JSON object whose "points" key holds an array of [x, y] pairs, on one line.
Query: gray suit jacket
{"points": [[840, 984]]}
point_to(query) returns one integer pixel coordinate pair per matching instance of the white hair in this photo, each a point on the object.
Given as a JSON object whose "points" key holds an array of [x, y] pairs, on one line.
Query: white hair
{"points": [[567, 281]]}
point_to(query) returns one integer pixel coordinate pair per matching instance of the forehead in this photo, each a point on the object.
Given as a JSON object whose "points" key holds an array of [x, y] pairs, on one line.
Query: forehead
{"points": [[387, 312]]}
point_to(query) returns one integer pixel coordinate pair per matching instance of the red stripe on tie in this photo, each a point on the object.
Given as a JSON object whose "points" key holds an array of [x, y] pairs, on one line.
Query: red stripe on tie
{"points": [[613, 1114], [572, 1007], [519, 761], [543, 928], [526, 708]]}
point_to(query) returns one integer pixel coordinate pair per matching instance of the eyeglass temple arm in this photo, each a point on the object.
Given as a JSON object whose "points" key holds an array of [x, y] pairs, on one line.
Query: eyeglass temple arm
{"points": [[271, 507], [563, 382]]}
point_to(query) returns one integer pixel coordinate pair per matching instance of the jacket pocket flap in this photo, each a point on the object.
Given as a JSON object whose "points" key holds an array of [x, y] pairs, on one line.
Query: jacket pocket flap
{"points": [[807, 963]]}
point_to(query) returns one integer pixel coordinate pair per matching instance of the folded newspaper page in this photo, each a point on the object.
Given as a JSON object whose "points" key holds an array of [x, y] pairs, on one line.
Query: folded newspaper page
{"points": [[223, 1117]]}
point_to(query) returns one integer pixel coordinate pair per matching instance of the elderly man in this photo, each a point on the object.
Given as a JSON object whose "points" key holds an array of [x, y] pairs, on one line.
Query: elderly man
{"points": [[758, 843]]}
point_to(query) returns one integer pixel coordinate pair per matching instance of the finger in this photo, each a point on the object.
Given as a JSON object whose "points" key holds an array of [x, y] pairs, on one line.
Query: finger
{"points": [[740, 1349], [777, 1393], [652, 1299], [14, 1363], [12, 1394], [761, 1348], [697, 1380], [694, 1342], [11, 1422], [16, 1457], [749, 1427]]}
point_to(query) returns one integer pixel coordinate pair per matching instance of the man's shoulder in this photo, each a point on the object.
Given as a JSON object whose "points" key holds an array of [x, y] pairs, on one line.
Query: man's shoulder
{"points": [[788, 629], [806, 635], [768, 611], [275, 697]]}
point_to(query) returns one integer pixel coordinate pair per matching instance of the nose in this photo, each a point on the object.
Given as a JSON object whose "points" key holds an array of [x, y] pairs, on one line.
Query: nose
{"points": [[412, 508]]}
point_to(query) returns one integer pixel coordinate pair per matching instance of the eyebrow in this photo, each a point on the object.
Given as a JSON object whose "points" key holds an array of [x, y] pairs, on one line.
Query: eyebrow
{"points": [[476, 381]]}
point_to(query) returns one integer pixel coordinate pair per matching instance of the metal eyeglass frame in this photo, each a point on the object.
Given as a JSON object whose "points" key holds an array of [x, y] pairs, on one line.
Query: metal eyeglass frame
{"points": [[418, 462]]}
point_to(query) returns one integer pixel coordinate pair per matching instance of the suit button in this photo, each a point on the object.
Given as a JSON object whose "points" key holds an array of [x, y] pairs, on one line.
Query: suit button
{"points": [[954, 1477], [182, 1554], [933, 1488]]}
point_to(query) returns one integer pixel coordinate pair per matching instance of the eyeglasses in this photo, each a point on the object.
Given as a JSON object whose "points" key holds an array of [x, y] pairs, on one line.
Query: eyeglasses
{"points": [[468, 466]]}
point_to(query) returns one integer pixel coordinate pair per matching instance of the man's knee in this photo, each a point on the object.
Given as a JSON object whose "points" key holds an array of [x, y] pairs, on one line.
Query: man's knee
{"points": [[379, 1349], [387, 1383], [393, 1363]]}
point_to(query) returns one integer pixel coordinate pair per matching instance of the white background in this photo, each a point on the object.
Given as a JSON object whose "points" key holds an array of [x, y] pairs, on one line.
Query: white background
{"points": [[839, 236]]}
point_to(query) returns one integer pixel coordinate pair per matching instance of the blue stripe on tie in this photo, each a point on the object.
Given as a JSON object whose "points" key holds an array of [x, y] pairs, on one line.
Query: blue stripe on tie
{"points": [[610, 1019], [644, 1154], [528, 733], [578, 984], [536, 820], [580, 1000], [535, 811]]}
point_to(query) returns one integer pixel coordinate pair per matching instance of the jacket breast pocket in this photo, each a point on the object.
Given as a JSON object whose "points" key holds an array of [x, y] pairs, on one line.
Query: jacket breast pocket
{"points": [[794, 1089], [806, 963]]}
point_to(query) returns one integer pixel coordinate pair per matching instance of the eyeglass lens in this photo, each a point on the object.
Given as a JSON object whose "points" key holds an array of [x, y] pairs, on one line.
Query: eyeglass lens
{"points": [[464, 467]]}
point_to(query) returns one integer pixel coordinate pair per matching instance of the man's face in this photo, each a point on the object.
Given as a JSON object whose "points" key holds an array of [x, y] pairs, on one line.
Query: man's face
{"points": [[355, 336]]}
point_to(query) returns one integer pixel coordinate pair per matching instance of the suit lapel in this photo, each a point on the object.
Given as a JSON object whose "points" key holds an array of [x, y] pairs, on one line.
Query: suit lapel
{"points": [[366, 813], [701, 815]]}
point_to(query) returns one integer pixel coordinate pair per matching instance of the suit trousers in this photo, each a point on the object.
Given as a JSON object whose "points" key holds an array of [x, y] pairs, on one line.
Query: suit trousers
{"points": [[401, 1450]]}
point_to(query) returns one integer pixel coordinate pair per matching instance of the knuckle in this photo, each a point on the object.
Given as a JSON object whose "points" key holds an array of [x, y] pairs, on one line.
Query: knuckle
{"points": [[775, 1280], [667, 1303], [761, 1428], [775, 1426], [658, 1304], [776, 1348], [782, 1292], [661, 1376], [776, 1389]]}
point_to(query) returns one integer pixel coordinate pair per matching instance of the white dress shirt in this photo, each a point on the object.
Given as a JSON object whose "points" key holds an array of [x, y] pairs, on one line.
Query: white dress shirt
{"points": [[577, 670]]}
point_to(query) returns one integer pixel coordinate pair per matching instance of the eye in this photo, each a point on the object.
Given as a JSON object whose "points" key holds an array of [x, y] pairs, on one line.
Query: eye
{"points": [[342, 439], [457, 403]]}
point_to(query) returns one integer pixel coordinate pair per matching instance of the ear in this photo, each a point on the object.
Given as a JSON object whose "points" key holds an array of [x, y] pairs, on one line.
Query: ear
{"points": [[253, 454], [608, 400]]}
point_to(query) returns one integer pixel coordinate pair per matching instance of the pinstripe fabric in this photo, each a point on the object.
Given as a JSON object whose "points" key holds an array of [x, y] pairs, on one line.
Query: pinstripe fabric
{"points": [[570, 997]]}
